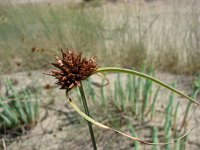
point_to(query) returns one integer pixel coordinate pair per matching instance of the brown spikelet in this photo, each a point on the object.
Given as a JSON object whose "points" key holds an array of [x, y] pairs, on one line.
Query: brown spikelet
{"points": [[71, 69]]}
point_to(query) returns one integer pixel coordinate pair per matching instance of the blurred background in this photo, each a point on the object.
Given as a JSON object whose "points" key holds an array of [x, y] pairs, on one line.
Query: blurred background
{"points": [[164, 33], [157, 37]]}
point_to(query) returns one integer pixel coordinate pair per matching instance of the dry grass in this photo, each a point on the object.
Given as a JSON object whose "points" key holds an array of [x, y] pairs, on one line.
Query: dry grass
{"points": [[164, 33]]}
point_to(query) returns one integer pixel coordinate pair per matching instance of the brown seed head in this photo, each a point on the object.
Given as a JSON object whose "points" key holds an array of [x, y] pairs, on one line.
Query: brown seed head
{"points": [[72, 69]]}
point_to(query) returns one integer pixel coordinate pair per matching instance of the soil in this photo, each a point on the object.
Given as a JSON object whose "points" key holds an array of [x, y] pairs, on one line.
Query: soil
{"points": [[61, 128]]}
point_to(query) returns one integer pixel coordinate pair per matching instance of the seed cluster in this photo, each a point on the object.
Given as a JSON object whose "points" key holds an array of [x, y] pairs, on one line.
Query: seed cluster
{"points": [[72, 69]]}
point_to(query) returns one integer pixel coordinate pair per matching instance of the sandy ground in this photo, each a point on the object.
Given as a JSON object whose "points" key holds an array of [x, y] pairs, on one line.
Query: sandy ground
{"points": [[61, 128]]}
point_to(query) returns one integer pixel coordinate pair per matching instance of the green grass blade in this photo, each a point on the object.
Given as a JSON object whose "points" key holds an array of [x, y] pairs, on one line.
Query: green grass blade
{"points": [[153, 106], [6, 121], [26, 105], [133, 133], [175, 119], [116, 95], [146, 94], [122, 70], [129, 87], [17, 102], [184, 122], [9, 112], [155, 139], [121, 92]]}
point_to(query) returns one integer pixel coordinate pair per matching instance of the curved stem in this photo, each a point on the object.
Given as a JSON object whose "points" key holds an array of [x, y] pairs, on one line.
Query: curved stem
{"points": [[87, 113], [119, 132], [122, 70]]}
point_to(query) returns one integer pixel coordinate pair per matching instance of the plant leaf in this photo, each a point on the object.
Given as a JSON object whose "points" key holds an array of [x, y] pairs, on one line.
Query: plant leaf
{"points": [[75, 107], [133, 72]]}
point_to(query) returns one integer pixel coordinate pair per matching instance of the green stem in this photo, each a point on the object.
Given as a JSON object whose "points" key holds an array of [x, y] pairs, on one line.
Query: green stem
{"points": [[114, 69], [87, 113]]}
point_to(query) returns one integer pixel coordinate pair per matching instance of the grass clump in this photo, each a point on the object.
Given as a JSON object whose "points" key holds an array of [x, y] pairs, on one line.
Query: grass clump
{"points": [[19, 110]]}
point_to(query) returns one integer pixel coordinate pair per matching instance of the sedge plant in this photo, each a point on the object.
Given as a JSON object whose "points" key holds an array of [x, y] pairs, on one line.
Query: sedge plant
{"points": [[19, 109], [72, 69]]}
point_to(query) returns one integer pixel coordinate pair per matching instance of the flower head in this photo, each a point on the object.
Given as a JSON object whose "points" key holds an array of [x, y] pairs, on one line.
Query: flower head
{"points": [[71, 69]]}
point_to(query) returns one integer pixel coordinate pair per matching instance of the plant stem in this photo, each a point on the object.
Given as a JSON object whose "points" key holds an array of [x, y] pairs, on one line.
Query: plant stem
{"points": [[87, 113], [114, 69]]}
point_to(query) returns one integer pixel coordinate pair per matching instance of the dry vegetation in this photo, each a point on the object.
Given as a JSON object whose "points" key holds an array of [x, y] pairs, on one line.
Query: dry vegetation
{"points": [[163, 33]]}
